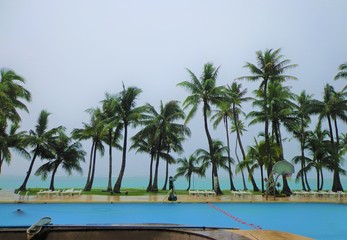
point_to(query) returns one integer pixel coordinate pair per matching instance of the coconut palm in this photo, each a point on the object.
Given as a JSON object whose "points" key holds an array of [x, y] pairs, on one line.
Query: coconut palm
{"points": [[303, 109], [334, 107], [166, 133], [11, 95], [129, 115], [342, 71], [41, 140], [67, 154], [236, 95], [12, 140], [188, 167], [205, 91], [218, 156], [318, 147], [94, 131], [146, 144], [257, 158], [110, 120], [270, 67], [223, 113]]}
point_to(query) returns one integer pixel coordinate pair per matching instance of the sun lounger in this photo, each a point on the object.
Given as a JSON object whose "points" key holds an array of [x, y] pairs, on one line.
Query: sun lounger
{"points": [[71, 192]]}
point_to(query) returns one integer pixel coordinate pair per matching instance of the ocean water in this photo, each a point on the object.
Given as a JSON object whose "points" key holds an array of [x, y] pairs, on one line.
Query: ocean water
{"points": [[141, 182]]}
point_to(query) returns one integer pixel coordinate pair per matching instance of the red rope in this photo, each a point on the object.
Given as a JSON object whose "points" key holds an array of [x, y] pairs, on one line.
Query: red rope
{"points": [[235, 218]]}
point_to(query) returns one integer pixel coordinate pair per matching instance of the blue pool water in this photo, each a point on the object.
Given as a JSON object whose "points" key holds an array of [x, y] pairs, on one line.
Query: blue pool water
{"points": [[315, 220]]}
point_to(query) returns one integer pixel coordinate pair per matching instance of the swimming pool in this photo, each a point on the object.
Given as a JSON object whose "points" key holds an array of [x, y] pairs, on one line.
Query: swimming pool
{"points": [[315, 220]]}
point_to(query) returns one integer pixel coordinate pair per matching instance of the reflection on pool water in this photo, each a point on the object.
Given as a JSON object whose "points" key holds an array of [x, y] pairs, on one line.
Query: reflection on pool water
{"points": [[315, 220]]}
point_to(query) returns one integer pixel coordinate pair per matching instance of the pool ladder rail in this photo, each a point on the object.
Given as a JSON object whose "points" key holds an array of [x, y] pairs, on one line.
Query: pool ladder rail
{"points": [[36, 227]]}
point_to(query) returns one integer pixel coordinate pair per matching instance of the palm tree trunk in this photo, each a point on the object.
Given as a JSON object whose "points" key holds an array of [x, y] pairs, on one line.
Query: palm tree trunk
{"points": [[90, 166], [262, 178], [238, 136], [109, 185], [322, 179], [302, 146], [149, 187], [118, 184], [91, 181], [51, 186], [24, 184], [232, 187], [318, 178], [242, 174], [166, 175], [210, 143], [155, 180], [189, 180]]}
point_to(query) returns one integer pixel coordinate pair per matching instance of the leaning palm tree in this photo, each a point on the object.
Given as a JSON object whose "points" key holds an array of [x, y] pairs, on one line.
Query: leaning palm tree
{"points": [[188, 167], [205, 91], [41, 139], [67, 154], [270, 67], [129, 115]]}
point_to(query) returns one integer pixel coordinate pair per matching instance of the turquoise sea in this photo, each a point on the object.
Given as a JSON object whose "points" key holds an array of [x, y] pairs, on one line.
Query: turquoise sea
{"points": [[141, 182]]}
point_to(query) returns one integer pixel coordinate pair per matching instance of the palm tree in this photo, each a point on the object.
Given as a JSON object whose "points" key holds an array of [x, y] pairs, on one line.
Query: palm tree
{"points": [[67, 154], [318, 148], [303, 110], [12, 140], [110, 120], [334, 107], [41, 139], [237, 97], [270, 68], [217, 156], [11, 95], [94, 131], [129, 115], [223, 113], [188, 167], [146, 144], [257, 158], [166, 133], [342, 71], [205, 91]]}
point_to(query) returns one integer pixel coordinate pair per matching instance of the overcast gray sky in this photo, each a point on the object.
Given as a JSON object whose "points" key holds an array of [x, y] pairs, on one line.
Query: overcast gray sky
{"points": [[72, 52]]}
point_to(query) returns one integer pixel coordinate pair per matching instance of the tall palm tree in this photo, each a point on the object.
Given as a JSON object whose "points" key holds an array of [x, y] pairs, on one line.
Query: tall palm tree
{"points": [[223, 113], [110, 120], [188, 167], [205, 91], [334, 107], [129, 115], [12, 140], [218, 156], [303, 109], [270, 67], [236, 95], [94, 131], [67, 154], [41, 140]]}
